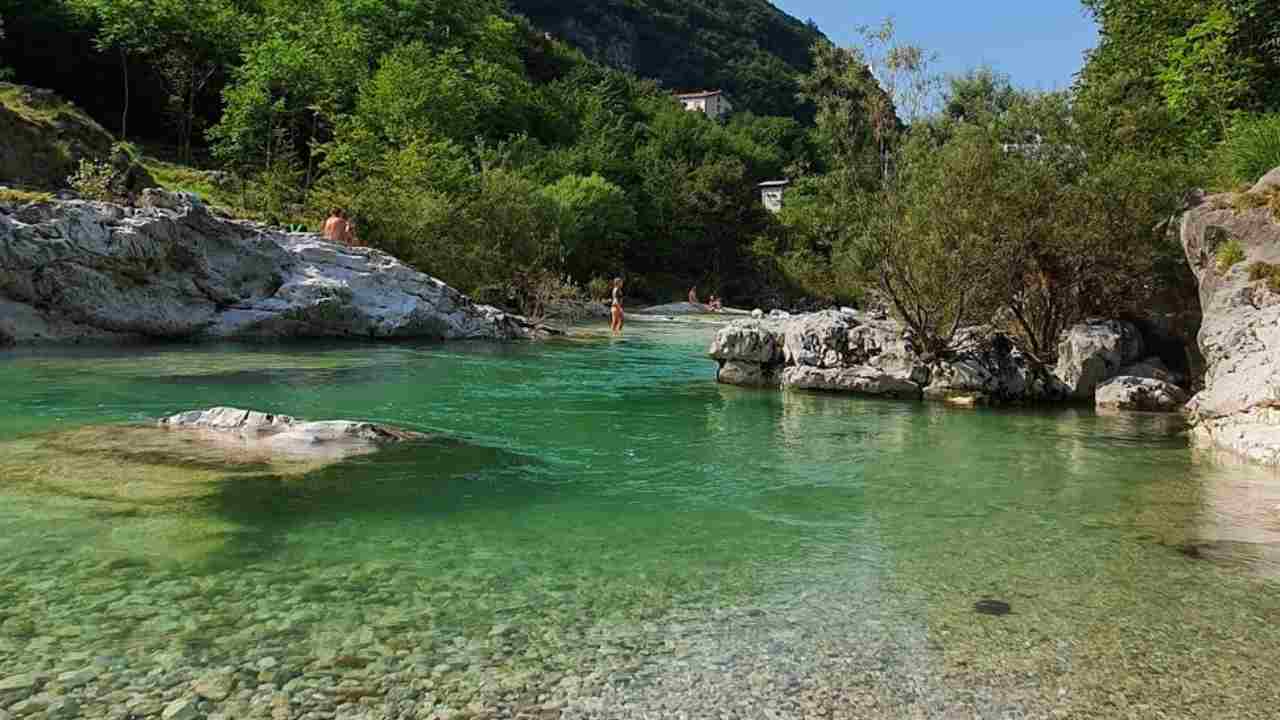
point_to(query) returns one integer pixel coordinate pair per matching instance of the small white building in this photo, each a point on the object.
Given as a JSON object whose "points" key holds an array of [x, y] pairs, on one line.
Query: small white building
{"points": [[771, 194], [712, 103]]}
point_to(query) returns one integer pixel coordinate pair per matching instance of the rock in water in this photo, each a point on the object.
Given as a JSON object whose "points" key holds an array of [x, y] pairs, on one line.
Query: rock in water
{"points": [[287, 435], [1140, 395], [1093, 352], [172, 270], [1239, 408]]}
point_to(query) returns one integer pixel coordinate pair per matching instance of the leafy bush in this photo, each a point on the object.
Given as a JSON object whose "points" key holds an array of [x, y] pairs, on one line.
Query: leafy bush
{"points": [[1230, 254], [1252, 148], [1268, 272], [94, 180], [599, 288]]}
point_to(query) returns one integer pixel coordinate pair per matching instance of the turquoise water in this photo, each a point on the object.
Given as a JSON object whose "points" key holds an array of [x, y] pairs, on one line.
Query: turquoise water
{"points": [[599, 507]]}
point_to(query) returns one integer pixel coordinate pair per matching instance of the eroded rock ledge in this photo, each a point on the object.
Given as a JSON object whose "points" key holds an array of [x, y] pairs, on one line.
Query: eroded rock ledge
{"points": [[1233, 253], [171, 270], [860, 353]]}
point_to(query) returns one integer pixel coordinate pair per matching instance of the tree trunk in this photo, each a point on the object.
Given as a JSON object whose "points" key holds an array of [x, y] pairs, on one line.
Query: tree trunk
{"points": [[124, 114]]}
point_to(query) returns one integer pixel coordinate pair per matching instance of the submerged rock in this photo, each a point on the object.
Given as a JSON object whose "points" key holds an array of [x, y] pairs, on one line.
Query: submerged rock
{"points": [[172, 270], [283, 434], [1239, 408]]}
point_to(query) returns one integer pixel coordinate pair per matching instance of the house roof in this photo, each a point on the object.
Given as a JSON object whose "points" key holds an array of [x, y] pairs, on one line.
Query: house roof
{"points": [[774, 183], [699, 95]]}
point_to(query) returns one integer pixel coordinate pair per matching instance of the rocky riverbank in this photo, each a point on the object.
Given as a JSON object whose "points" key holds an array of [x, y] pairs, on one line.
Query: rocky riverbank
{"points": [[171, 270], [1232, 242], [871, 354]]}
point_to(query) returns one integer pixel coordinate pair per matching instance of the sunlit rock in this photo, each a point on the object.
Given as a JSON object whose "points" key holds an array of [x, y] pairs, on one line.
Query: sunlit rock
{"points": [[172, 270], [1239, 408], [1095, 351]]}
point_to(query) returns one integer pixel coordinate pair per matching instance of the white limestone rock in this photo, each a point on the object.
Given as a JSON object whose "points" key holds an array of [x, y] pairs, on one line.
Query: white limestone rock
{"points": [[1239, 408], [171, 270], [1139, 394], [288, 436], [1095, 351]]}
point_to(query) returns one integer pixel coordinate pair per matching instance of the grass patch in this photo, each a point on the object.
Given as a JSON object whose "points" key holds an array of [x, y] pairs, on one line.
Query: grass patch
{"points": [[1248, 201], [1230, 254], [22, 197], [1262, 271], [40, 109], [1252, 147]]}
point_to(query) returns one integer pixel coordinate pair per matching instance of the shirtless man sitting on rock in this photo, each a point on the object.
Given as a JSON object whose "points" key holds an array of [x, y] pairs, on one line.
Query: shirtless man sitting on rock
{"points": [[339, 229]]}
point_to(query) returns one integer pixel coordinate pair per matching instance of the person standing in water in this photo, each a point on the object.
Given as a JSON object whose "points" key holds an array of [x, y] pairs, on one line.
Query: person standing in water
{"points": [[618, 316], [693, 295]]}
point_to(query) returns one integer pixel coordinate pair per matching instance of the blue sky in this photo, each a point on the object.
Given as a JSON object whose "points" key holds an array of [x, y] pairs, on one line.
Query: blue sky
{"points": [[1039, 43]]}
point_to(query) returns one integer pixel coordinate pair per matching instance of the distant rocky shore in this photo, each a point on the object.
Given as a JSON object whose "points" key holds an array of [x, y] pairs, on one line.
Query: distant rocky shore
{"points": [[871, 354], [171, 270]]}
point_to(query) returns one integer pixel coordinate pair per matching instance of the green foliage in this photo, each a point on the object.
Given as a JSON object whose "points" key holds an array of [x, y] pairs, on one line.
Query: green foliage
{"points": [[94, 180], [748, 48], [1230, 254], [1266, 272], [1252, 147], [10, 196], [1168, 76], [594, 218]]}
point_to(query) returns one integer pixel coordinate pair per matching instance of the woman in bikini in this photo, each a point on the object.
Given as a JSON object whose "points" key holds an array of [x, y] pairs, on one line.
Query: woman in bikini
{"points": [[618, 316]]}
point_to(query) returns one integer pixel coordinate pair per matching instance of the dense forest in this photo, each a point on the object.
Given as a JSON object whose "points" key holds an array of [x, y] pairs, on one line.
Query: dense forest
{"points": [[748, 48], [502, 158]]}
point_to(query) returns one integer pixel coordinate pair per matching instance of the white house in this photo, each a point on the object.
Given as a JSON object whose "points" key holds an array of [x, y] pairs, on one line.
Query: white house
{"points": [[711, 102], [771, 193]]}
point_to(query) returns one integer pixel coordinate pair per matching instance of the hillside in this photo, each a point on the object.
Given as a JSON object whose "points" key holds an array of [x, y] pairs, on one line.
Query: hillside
{"points": [[747, 47]]}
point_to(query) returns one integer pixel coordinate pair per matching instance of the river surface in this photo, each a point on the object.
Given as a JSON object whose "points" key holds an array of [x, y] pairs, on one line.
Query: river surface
{"points": [[600, 530]]}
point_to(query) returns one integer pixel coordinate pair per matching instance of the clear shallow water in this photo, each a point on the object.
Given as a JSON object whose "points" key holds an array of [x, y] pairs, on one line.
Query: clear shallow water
{"points": [[599, 509]]}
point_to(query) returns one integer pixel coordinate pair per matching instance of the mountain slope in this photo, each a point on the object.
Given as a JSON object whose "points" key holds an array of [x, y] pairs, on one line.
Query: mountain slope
{"points": [[748, 48]]}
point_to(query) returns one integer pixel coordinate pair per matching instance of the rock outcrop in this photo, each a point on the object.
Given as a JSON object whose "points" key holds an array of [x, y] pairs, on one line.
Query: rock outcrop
{"points": [[259, 432], [171, 270], [869, 354], [1234, 253], [43, 138], [1140, 394], [1093, 352]]}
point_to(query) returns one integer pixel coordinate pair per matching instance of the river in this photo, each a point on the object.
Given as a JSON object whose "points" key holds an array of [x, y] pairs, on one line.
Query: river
{"points": [[600, 530]]}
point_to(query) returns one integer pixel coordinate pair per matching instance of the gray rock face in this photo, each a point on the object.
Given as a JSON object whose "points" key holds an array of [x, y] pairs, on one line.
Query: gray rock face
{"points": [[749, 341], [1093, 352], [830, 350], [171, 270], [993, 372], [861, 380], [1140, 394], [746, 374], [1239, 408], [284, 435]]}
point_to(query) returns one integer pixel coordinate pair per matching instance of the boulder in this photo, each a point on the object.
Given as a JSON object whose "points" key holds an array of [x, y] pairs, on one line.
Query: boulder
{"points": [[992, 372], [836, 339], [1139, 394], [751, 341], [1095, 351], [746, 374], [285, 435], [861, 380], [171, 270], [1239, 407]]}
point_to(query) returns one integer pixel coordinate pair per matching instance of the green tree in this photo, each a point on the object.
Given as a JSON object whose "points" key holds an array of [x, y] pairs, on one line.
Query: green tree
{"points": [[594, 219], [187, 42]]}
